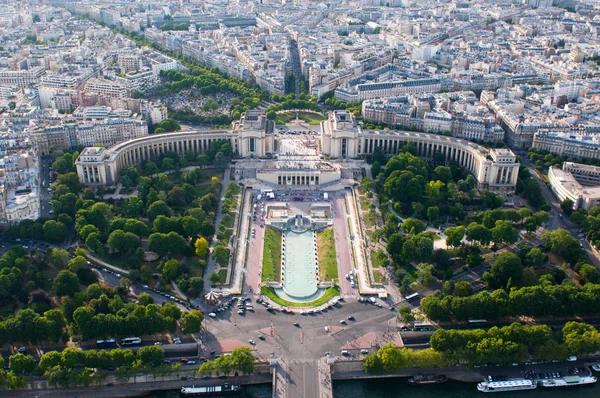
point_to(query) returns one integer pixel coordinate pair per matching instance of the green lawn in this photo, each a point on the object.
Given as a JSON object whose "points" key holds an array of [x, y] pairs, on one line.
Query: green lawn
{"points": [[284, 118], [378, 275], [379, 259], [224, 235], [271, 264], [364, 203], [327, 257], [328, 295], [310, 118], [228, 220], [222, 277], [370, 219]]}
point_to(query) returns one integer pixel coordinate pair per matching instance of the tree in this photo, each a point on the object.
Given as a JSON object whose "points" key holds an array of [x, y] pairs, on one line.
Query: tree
{"points": [[66, 283], [454, 235], [171, 310], [59, 257], [136, 227], [132, 207], [54, 232], [425, 273], [506, 266], [201, 246], [221, 254], [220, 161], [171, 269], [463, 289], [94, 243], [176, 197], [214, 278], [535, 257], [560, 241], [589, 273], [504, 232], [20, 364], [567, 206], [242, 360], [406, 315], [70, 357], [145, 273], [191, 226], [581, 338], [158, 208], [122, 241], [189, 191], [413, 226], [207, 229], [49, 360], [151, 355], [443, 173], [479, 233], [433, 212], [192, 322]]}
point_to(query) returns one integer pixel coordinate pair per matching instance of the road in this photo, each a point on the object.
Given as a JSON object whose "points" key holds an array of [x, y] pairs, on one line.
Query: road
{"points": [[558, 219], [342, 248], [45, 196], [256, 242], [296, 67]]}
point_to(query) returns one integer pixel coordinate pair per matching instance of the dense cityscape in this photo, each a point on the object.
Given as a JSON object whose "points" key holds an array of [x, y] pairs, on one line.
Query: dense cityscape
{"points": [[201, 197]]}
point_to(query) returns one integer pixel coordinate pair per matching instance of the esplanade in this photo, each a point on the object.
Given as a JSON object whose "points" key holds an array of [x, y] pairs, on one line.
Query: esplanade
{"points": [[340, 137]]}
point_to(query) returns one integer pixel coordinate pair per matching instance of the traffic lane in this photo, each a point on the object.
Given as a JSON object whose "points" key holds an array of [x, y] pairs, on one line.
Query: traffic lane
{"points": [[340, 229], [254, 269]]}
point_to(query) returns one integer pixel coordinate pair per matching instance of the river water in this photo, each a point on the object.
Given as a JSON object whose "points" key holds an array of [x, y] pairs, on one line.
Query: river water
{"points": [[395, 388]]}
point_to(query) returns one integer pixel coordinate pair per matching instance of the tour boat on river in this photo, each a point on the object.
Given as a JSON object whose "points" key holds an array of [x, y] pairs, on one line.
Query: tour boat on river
{"points": [[509, 385]]}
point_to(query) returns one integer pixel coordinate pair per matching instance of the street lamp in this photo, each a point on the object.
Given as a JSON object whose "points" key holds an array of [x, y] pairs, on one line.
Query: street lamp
{"points": [[273, 361]]}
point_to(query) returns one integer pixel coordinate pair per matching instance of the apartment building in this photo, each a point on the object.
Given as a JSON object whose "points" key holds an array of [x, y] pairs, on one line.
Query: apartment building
{"points": [[107, 88], [21, 78], [572, 145], [68, 134]]}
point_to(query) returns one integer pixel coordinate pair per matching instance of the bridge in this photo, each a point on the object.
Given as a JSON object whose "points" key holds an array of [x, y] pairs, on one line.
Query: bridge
{"points": [[298, 379]]}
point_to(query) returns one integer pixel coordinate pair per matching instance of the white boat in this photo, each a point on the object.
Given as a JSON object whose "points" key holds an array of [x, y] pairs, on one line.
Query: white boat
{"points": [[596, 367], [509, 385], [210, 390], [568, 381]]}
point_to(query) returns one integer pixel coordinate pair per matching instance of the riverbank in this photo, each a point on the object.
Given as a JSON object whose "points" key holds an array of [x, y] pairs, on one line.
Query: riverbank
{"points": [[132, 389]]}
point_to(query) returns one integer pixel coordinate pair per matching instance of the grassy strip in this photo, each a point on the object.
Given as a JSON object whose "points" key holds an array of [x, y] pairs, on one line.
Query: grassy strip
{"points": [[379, 259], [310, 118], [327, 256], [328, 295], [370, 219], [378, 276], [222, 277], [271, 264], [364, 203]]}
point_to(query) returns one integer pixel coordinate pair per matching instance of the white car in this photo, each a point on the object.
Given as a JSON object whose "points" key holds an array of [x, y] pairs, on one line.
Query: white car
{"points": [[212, 315], [572, 358]]}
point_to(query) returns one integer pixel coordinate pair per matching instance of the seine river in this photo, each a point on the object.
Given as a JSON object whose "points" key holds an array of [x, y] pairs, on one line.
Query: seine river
{"points": [[395, 388]]}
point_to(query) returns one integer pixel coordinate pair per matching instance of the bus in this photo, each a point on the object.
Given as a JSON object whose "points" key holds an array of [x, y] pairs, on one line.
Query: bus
{"points": [[108, 343], [412, 296], [477, 321], [131, 341], [423, 327]]}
